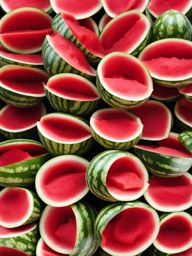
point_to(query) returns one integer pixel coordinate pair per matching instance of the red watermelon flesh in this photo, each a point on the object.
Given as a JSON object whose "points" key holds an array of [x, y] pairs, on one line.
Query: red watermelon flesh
{"points": [[164, 93], [90, 24], [128, 230], [13, 156], [73, 55], [15, 206], [85, 36], [26, 80], [152, 114], [186, 90], [28, 36], [72, 87], [6, 251], [183, 110], [11, 232], [44, 250], [172, 141], [125, 32], [17, 119]]}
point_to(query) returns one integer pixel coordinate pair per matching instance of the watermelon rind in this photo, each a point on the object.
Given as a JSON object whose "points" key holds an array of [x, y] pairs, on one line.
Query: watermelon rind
{"points": [[100, 252], [24, 241], [21, 174], [186, 139], [103, 21], [85, 244], [112, 98], [56, 147], [97, 175], [183, 123], [149, 16], [62, 103], [110, 211]]}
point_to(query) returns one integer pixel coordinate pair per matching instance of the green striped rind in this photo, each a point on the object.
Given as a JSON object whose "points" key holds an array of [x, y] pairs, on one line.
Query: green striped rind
{"points": [[173, 84], [25, 242], [186, 139], [54, 64], [27, 134], [5, 61], [58, 24], [163, 165], [172, 24], [149, 16]]}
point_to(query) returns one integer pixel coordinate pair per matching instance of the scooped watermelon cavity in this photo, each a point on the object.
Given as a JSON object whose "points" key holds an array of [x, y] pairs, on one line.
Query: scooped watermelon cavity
{"points": [[183, 111], [6, 251]]}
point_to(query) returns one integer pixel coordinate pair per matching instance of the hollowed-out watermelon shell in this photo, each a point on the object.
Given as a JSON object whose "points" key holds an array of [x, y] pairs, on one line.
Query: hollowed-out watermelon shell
{"points": [[11, 251], [186, 139], [183, 113], [73, 235], [21, 170], [43, 250]]}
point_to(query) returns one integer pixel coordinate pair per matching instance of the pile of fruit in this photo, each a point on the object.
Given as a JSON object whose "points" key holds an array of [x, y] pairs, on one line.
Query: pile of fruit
{"points": [[95, 128]]}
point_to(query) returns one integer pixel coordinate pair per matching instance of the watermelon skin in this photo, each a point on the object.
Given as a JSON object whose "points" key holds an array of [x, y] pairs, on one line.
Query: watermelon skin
{"points": [[172, 24], [186, 139], [28, 134], [100, 252], [163, 165], [25, 242]]}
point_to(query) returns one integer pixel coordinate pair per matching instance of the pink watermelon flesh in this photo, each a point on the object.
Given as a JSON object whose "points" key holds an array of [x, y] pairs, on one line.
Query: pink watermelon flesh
{"points": [[64, 180], [157, 7], [89, 24], [24, 79], [125, 177], [175, 232], [125, 77], [40, 4], [113, 123], [15, 205], [173, 192], [164, 93], [60, 227], [85, 36], [124, 33], [184, 110], [129, 230], [64, 129], [186, 90], [7, 232], [73, 88], [13, 156], [72, 55], [6, 251], [13, 118], [46, 251], [171, 58], [152, 114], [25, 35]]}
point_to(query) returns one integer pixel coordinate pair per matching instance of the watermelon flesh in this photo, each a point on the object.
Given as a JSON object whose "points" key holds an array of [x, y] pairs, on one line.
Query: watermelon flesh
{"points": [[13, 232], [128, 231], [6, 251], [186, 90], [90, 24], [164, 93], [44, 250], [13, 156], [183, 111]]}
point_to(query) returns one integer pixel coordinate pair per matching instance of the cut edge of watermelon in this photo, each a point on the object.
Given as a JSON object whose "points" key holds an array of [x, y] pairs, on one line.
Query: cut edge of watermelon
{"points": [[103, 21], [171, 94], [42, 249], [10, 232], [15, 224], [42, 172], [187, 90], [179, 116], [11, 251]]}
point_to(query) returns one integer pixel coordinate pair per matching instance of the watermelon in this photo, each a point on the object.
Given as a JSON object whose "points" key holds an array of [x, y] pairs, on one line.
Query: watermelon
{"points": [[103, 21], [11, 251], [115, 7], [58, 61], [20, 160], [123, 81], [44, 250], [172, 24], [186, 139], [152, 113], [18, 206], [82, 36], [154, 252], [23, 238], [117, 176], [109, 127], [61, 181], [22, 86], [187, 91], [126, 229], [167, 195], [183, 112], [72, 94], [80, 9], [162, 93], [63, 134], [128, 32], [175, 233], [25, 37], [157, 7], [17, 123], [169, 61], [69, 229]]}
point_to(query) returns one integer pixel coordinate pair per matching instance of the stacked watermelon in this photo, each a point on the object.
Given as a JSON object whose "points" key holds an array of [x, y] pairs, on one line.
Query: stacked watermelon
{"points": [[95, 127]]}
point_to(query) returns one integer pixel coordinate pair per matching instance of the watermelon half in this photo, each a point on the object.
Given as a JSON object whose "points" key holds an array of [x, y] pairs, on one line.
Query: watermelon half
{"points": [[80, 9], [23, 238], [123, 81], [128, 32], [11, 252], [61, 181], [18, 123], [28, 36], [152, 114], [69, 230], [117, 176], [115, 7], [167, 195], [169, 61], [44, 250], [187, 91], [64, 134], [162, 93], [72, 94], [18, 206], [22, 86], [183, 112], [175, 233], [186, 139], [126, 229], [109, 127]]}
